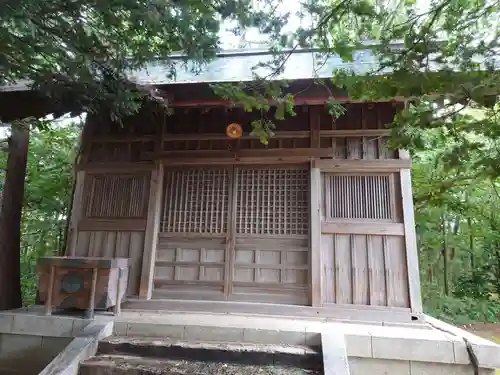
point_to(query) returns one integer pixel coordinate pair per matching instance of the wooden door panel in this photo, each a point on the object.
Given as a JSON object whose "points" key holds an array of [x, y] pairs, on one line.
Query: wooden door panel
{"points": [[192, 243], [271, 250]]}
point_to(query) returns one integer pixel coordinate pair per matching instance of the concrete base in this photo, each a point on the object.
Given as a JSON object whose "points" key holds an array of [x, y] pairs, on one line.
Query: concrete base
{"points": [[15, 349], [370, 349]]}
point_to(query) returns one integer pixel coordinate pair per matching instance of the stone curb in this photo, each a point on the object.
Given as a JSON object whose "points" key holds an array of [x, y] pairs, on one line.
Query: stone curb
{"points": [[80, 348]]}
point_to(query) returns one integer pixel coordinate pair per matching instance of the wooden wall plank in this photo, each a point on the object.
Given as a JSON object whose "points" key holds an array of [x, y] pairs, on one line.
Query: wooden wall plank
{"points": [[151, 235], [115, 244], [364, 270], [359, 256], [376, 265], [355, 166], [315, 238], [396, 272], [112, 225], [76, 213], [327, 256], [343, 269], [411, 242], [360, 227]]}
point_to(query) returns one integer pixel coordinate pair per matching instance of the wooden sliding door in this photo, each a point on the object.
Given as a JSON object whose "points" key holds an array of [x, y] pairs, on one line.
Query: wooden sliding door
{"points": [[235, 233], [193, 237], [271, 226]]}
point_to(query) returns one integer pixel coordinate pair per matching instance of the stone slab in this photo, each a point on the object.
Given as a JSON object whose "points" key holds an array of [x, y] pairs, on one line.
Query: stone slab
{"points": [[67, 362], [335, 361], [213, 351], [428, 368], [372, 366]]}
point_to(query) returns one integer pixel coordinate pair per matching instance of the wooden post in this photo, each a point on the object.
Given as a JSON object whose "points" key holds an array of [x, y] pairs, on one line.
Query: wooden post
{"points": [[315, 125], [410, 237], [117, 308], [90, 310], [315, 233], [50, 291], [151, 236], [76, 211]]}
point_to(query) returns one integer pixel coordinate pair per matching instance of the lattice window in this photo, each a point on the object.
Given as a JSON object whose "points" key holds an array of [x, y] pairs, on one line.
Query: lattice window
{"points": [[359, 197], [116, 195], [196, 201], [272, 201]]}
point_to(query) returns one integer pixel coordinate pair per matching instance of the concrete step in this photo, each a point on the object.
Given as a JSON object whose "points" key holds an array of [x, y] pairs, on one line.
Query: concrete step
{"points": [[134, 365], [240, 353]]}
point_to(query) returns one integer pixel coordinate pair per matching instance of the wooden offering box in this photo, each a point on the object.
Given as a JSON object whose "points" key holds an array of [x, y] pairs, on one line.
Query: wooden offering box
{"points": [[82, 283]]}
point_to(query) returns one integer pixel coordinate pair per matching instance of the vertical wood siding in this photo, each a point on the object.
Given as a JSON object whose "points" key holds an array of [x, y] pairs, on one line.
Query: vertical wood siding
{"points": [[365, 270], [115, 244], [359, 196], [116, 195], [114, 198]]}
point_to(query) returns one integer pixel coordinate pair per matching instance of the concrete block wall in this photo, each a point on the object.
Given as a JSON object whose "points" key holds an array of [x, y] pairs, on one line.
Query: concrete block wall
{"points": [[371, 349], [372, 366], [30, 341], [13, 344]]}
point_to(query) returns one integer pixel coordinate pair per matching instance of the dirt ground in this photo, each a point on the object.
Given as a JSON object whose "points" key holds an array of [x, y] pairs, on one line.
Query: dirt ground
{"points": [[168, 366], [489, 331]]}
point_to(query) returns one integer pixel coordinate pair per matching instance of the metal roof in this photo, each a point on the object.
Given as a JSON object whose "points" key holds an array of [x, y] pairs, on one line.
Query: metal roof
{"points": [[239, 65]]}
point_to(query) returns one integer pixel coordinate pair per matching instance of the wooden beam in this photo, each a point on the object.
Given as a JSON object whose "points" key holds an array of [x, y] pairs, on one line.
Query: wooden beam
{"points": [[222, 137], [315, 233], [355, 133], [76, 212], [297, 101], [374, 228], [411, 242], [285, 134], [231, 161], [306, 153], [118, 224], [354, 166], [151, 236], [375, 314], [116, 167]]}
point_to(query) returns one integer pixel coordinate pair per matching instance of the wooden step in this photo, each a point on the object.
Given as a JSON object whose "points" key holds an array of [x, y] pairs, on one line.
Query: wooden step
{"points": [[241, 353], [134, 365]]}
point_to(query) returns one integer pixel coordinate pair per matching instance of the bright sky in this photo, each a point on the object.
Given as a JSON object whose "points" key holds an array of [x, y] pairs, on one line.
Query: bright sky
{"points": [[231, 41]]}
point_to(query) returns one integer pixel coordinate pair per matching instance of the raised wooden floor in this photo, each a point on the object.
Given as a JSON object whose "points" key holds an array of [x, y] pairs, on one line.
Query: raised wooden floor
{"points": [[372, 314]]}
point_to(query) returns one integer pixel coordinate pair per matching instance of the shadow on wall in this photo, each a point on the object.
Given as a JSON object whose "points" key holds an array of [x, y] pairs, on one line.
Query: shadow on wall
{"points": [[28, 355]]}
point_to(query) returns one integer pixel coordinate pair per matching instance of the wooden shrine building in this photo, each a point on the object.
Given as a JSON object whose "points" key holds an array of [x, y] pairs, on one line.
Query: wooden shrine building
{"points": [[321, 217]]}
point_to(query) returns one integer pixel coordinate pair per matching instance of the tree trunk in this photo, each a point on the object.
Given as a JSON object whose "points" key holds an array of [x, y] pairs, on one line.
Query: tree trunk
{"points": [[471, 243], [445, 258], [10, 220]]}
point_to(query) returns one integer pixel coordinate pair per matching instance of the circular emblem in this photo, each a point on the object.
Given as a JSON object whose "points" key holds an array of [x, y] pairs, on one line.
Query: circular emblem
{"points": [[72, 282], [234, 130]]}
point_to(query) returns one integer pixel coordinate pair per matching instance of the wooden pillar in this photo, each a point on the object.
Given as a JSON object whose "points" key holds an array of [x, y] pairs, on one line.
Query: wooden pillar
{"points": [[315, 125], [315, 240], [410, 237], [151, 236], [76, 212]]}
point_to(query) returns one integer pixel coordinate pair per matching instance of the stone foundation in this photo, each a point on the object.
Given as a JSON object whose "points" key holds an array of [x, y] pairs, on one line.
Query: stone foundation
{"points": [[368, 349]]}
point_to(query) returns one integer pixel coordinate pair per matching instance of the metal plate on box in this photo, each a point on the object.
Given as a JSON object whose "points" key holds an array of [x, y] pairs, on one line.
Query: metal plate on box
{"points": [[72, 282]]}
